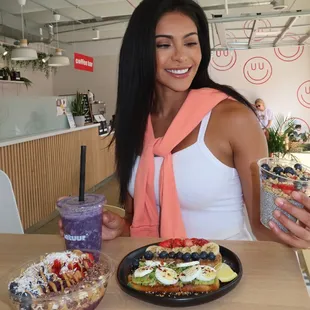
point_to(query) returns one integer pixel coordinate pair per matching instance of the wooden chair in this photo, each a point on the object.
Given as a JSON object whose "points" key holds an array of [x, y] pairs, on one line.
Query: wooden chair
{"points": [[118, 210]]}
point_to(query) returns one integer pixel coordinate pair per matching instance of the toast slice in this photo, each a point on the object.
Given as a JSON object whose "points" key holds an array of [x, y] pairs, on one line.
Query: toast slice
{"points": [[166, 289]]}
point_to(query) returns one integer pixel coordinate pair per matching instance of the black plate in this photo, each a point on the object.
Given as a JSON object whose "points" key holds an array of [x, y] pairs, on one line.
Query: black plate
{"points": [[229, 258]]}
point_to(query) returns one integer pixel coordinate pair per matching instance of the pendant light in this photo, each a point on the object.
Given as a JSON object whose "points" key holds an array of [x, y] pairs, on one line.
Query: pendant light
{"points": [[2, 50], [58, 60], [23, 52]]}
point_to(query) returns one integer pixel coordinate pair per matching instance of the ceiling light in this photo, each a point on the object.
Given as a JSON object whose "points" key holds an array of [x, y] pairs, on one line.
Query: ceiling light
{"points": [[44, 60], [96, 35], [2, 50], [278, 5], [23, 52], [58, 60]]}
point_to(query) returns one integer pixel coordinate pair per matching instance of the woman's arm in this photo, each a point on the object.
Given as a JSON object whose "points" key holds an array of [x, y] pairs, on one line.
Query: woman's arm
{"points": [[249, 145], [128, 216]]}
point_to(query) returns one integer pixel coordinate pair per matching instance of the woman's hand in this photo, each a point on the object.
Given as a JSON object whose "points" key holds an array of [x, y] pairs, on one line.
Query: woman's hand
{"points": [[112, 225], [299, 233]]}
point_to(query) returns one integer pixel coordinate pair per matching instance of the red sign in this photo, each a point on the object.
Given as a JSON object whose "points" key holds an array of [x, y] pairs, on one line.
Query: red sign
{"points": [[83, 62]]}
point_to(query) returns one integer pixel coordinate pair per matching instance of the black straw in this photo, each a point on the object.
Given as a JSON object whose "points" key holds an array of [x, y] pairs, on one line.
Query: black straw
{"points": [[82, 172]]}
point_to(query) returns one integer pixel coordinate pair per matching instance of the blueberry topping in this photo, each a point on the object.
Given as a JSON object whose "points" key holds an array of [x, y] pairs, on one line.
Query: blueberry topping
{"points": [[25, 294], [148, 255], [298, 167], [303, 179], [179, 255], [211, 256], [297, 185], [163, 254], [289, 170], [281, 179], [277, 170], [203, 255], [266, 167], [135, 263], [195, 256], [186, 257], [172, 255], [13, 287]]}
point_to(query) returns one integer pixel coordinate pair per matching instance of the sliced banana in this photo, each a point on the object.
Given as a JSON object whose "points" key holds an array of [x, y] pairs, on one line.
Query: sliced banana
{"points": [[188, 264], [154, 263], [142, 271], [207, 273], [195, 248], [166, 276], [186, 250], [190, 274], [152, 248], [211, 247], [178, 249]]}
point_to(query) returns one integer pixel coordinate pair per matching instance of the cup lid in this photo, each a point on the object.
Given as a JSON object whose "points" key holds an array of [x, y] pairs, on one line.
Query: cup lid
{"points": [[90, 201]]}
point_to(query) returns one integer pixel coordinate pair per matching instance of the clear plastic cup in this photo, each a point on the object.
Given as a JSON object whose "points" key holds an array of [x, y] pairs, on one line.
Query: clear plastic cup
{"points": [[279, 178], [82, 221]]}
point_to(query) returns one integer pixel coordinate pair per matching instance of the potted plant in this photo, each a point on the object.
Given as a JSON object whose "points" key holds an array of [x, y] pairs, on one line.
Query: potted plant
{"points": [[277, 136], [77, 109]]}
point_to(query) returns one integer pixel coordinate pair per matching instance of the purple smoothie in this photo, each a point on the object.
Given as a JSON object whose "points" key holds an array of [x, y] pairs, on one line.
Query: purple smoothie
{"points": [[82, 221]]}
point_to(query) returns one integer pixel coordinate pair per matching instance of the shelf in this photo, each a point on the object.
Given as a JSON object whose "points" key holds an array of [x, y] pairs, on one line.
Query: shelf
{"points": [[11, 82]]}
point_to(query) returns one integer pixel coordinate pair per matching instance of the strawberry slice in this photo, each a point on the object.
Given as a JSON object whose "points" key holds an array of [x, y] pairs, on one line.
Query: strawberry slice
{"points": [[202, 242], [56, 266], [91, 257], [177, 243], [188, 243], [284, 187], [166, 243]]}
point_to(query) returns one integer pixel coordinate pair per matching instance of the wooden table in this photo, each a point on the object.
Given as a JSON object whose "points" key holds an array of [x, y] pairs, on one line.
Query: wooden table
{"points": [[272, 279]]}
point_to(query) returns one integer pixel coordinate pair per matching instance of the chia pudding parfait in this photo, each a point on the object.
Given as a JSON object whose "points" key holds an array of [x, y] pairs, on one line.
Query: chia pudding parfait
{"points": [[279, 178]]}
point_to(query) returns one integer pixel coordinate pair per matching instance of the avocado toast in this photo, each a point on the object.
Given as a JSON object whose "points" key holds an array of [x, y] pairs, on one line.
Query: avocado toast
{"points": [[179, 266]]}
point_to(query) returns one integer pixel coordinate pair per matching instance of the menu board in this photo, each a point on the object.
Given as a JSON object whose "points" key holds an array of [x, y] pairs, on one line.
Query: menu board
{"points": [[88, 118]]}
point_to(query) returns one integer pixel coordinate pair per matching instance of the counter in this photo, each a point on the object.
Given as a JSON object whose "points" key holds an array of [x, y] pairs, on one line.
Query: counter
{"points": [[43, 135], [271, 275], [44, 167]]}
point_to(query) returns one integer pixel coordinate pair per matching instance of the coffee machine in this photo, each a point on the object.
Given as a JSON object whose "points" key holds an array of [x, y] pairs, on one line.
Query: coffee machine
{"points": [[98, 109]]}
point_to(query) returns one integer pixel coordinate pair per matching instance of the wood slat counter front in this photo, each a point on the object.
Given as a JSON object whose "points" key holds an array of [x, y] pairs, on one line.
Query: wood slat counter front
{"points": [[43, 169]]}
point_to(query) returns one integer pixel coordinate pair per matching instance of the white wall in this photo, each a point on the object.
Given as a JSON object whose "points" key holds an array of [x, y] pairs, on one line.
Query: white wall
{"points": [[279, 91], [286, 86], [41, 85], [102, 82]]}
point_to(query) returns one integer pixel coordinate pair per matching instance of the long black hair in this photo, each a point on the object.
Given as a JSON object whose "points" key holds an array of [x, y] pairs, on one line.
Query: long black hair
{"points": [[136, 78]]}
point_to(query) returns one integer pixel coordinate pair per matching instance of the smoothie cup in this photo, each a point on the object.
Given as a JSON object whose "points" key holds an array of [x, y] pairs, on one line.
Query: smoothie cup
{"points": [[279, 178], [82, 221]]}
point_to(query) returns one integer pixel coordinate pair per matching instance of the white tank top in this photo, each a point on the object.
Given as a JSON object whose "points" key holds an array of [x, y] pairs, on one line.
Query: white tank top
{"points": [[209, 192]]}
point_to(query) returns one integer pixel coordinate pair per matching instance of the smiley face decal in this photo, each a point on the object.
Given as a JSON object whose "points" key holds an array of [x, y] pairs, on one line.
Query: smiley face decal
{"points": [[223, 60], [289, 53], [303, 94], [257, 70], [264, 23]]}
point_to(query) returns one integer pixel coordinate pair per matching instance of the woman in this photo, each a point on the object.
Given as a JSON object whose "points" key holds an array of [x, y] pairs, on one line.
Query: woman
{"points": [[186, 147]]}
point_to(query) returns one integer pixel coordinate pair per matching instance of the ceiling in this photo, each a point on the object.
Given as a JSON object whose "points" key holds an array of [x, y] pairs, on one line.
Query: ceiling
{"points": [[240, 23]]}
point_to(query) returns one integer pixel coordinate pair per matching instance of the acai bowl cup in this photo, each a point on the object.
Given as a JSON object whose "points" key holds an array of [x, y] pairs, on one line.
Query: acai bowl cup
{"points": [[78, 288], [278, 179]]}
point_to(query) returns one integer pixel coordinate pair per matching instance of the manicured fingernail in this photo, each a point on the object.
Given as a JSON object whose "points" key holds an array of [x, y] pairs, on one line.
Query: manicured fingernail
{"points": [[277, 214], [296, 195], [271, 224], [279, 202]]}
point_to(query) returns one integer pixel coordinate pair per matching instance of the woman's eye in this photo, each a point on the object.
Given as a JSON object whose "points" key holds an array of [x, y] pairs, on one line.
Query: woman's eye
{"points": [[163, 45], [191, 43]]}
